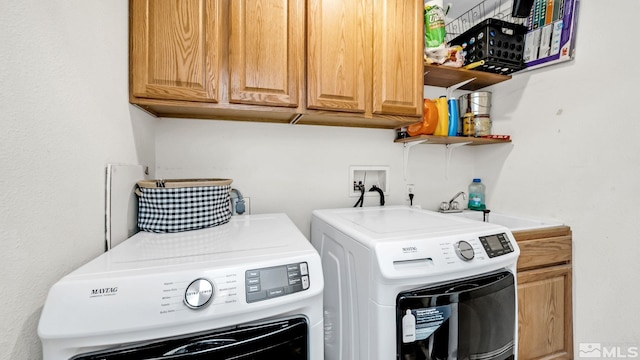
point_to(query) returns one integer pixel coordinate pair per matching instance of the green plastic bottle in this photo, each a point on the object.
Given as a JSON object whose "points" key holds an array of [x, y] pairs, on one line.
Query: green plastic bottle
{"points": [[434, 29], [476, 195]]}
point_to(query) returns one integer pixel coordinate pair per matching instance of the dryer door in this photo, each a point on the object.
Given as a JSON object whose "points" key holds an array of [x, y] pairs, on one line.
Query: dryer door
{"points": [[285, 339], [471, 319]]}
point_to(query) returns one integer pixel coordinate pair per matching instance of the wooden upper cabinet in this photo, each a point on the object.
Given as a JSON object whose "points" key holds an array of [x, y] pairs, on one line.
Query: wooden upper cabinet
{"points": [[338, 55], [266, 52], [365, 56], [322, 62], [398, 53], [175, 49]]}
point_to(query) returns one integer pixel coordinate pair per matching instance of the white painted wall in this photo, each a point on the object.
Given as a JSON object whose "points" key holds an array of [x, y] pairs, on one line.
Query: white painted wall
{"points": [[65, 116], [577, 158], [295, 169]]}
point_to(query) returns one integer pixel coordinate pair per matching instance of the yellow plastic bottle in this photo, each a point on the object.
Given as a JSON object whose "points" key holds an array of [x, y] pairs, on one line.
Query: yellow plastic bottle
{"points": [[442, 129]]}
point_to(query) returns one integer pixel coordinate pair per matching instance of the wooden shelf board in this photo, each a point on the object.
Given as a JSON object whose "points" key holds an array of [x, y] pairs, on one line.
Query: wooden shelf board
{"points": [[447, 140], [445, 76]]}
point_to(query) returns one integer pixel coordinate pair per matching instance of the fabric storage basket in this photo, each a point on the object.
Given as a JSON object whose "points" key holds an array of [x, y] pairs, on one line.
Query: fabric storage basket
{"points": [[176, 205]]}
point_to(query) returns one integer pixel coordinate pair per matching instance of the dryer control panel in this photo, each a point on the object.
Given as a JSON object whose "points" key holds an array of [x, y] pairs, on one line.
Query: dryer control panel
{"points": [[276, 281]]}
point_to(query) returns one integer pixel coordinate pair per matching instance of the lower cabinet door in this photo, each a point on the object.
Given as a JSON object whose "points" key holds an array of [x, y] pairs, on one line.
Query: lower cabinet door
{"points": [[544, 313]]}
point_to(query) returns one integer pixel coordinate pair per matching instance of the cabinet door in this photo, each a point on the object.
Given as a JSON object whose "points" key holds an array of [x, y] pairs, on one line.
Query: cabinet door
{"points": [[174, 49], [338, 54], [266, 52], [544, 313], [398, 53]]}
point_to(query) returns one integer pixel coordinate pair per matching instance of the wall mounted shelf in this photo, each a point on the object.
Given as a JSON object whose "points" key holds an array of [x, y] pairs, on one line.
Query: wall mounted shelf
{"points": [[448, 140], [446, 76]]}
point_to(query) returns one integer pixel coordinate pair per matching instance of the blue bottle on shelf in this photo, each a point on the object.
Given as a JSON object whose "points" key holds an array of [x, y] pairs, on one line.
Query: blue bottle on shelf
{"points": [[454, 116], [476, 195]]}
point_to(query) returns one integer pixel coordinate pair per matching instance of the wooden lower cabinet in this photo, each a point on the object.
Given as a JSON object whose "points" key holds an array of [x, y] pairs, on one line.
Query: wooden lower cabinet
{"points": [[545, 321]]}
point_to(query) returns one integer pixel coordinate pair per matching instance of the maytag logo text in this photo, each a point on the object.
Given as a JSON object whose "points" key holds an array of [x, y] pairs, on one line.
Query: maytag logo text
{"points": [[108, 291]]}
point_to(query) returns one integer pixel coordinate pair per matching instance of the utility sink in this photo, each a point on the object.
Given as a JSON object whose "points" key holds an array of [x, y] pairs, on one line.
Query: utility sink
{"points": [[512, 222]]}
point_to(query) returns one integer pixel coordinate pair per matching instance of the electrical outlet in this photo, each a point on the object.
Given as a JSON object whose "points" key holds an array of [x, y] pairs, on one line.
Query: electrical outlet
{"points": [[410, 189], [247, 206]]}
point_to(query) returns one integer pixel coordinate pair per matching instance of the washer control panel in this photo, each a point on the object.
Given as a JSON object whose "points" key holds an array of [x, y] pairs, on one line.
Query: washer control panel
{"points": [[496, 245], [267, 283]]}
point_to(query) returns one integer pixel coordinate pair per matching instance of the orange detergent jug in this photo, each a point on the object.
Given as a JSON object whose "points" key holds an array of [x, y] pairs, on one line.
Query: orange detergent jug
{"points": [[442, 129], [429, 120]]}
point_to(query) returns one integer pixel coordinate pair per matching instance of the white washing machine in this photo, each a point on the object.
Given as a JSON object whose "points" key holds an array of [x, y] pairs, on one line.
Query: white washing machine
{"points": [[404, 283], [249, 289]]}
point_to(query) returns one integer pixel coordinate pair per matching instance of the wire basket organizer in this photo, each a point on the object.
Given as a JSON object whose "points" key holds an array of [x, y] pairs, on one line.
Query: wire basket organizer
{"points": [[495, 9], [491, 37]]}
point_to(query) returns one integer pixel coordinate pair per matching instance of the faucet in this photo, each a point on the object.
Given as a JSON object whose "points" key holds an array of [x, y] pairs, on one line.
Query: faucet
{"points": [[485, 215], [464, 196], [452, 205]]}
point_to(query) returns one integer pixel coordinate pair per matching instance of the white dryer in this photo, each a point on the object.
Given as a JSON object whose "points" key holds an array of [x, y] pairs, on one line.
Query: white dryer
{"points": [[404, 283], [249, 289]]}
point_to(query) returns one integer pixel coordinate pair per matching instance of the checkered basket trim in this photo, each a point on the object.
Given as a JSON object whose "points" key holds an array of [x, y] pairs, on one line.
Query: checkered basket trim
{"points": [[181, 209]]}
